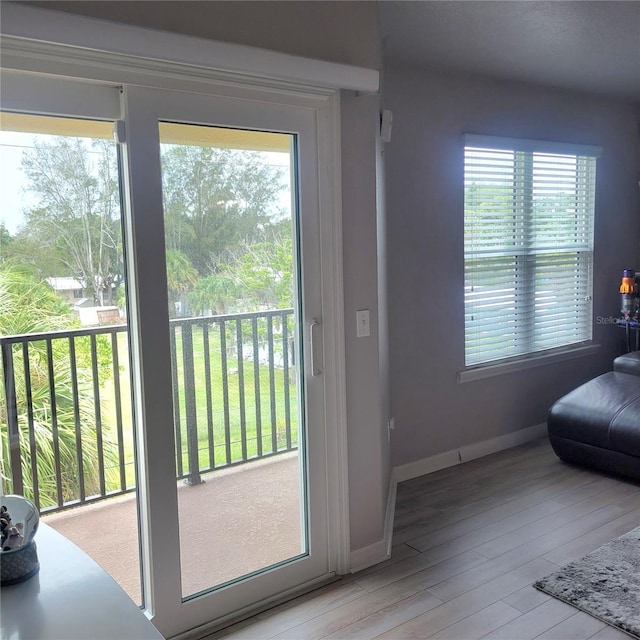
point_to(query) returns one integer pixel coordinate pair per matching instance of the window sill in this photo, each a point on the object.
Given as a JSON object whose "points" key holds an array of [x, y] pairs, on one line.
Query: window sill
{"points": [[521, 364]]}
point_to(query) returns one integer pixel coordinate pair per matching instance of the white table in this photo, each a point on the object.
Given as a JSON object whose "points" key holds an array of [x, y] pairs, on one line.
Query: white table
{"points": [[71, 598]]}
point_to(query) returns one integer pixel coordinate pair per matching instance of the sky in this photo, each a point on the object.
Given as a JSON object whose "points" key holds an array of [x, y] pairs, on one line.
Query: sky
{"points": [[14, 192]]}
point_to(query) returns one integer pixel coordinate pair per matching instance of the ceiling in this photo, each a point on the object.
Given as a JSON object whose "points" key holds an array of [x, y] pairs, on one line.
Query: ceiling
{"points": [[584, 45]]}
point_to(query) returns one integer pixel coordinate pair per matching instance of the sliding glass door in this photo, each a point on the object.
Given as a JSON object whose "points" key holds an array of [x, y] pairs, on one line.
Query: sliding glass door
{"points": [[209, 384]]}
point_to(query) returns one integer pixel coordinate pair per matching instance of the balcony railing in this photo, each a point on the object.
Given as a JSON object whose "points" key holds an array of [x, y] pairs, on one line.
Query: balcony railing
{"points": [[67, 427]]}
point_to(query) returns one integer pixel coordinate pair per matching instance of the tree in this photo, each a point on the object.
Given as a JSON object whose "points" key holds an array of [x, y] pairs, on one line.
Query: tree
{"points": [[218, 204], [5, 242], [213, 294], [261, 277], [78, 214], [181, 277], [28, 305], [263, 274], [216, 201], [27, 253]]}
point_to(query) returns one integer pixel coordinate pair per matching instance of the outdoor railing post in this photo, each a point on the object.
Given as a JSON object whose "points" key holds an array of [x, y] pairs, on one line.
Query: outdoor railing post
{"points": [[12, 418], [190, 405]]}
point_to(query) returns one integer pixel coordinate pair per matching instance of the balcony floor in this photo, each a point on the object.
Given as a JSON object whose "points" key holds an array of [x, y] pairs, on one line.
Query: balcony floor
{"points": [[248, 517]]}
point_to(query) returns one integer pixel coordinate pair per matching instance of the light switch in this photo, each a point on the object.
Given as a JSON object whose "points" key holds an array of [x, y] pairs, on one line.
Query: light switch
{"points": [[362, 323]]}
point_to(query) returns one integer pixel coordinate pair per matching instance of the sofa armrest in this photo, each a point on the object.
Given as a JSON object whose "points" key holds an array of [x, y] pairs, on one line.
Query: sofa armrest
{"points": [[628, 363]]}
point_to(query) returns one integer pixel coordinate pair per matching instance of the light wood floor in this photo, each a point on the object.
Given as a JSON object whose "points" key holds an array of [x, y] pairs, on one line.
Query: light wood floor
{"points": [[468, 543]]}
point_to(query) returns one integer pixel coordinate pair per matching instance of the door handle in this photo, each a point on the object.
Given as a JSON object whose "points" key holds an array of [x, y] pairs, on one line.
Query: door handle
{"points": [[315, 323]]}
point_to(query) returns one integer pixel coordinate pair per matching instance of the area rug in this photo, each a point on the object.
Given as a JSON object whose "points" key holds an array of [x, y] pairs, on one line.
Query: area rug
{"points": [[604, 584]]}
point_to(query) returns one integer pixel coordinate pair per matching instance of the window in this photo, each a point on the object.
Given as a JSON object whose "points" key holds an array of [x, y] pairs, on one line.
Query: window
{"points": [[528, 246]]}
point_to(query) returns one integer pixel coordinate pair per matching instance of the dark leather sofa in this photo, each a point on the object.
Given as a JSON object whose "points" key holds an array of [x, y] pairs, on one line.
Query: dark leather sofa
{"points": [[598, 424]]}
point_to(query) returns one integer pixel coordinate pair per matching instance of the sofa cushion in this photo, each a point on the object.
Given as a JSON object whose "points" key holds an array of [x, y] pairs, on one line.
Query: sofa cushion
{"points": [[604, 412], [628, 363]]}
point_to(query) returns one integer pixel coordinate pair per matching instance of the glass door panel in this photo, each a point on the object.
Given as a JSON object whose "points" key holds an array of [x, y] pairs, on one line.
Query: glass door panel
{"points": [[66, 419], [223, 247], [231, 257]]}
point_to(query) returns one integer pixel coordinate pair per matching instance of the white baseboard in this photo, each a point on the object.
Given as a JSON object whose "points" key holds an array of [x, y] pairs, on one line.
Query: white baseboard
{"points": [[391, 512], [381, 550], [508, 440], [426, 465], [468, 452], [368, 556]]}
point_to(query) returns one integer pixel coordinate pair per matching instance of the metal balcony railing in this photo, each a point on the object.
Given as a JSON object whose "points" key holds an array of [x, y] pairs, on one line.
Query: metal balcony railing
{"points": [[67, 432]]}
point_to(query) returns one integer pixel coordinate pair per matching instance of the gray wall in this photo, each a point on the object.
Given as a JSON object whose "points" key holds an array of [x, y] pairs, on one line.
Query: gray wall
{"points": [[345, 32], [366, 358], [424, 168]]}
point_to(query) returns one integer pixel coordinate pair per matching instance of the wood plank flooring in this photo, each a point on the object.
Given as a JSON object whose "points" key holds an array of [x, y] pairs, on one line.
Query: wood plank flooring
{"points": [[468, 543]]}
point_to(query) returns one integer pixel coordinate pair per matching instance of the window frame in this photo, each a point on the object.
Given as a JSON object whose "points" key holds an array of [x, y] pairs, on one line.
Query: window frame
{"points": [[523, 215]]}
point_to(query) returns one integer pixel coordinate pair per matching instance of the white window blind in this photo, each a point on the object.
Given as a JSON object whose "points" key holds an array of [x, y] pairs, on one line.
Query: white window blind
{"points": [[528, 246]]}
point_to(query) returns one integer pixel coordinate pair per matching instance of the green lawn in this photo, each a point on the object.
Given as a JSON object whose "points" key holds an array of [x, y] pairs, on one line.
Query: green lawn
{"points": [[215, 448]]}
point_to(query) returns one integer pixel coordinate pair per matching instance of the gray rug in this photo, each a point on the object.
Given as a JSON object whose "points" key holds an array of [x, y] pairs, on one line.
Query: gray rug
{"points": [[604, 584]]}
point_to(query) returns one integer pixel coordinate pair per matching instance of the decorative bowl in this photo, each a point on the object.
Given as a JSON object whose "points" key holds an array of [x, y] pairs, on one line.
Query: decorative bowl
{"points": [[18, 557]]}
